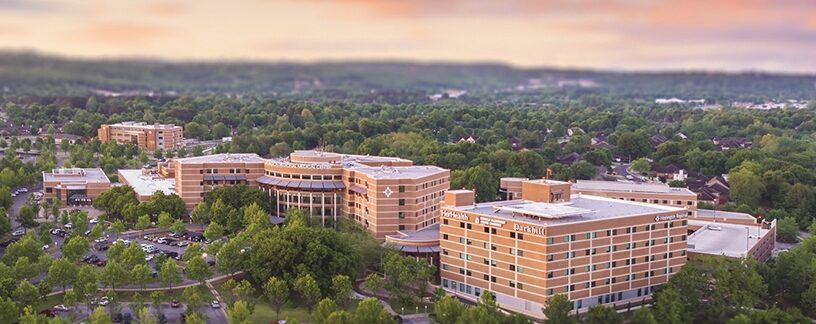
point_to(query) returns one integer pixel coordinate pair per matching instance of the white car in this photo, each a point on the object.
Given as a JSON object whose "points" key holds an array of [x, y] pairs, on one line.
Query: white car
{"points": [[61, 308], [69, 226], [104, 301], [182, 243], [162, 240], [19, 232], [14, 194], [94, 221], [45, 247], [22, 190], [215, 304], [149, 258], [100, 240]]}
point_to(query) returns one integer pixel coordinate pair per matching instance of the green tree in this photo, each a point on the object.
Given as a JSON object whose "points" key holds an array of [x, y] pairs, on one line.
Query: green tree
{"points": [[5, 224], [26, 216], [143, 223], [158, 154], [165, 221], [8, 311], [144, 316], [99, 316], [481, 178], [192, 296], [339, 317], [641, 165], [448, 310], [177, 226], [600, 314], [370, 310], [787, 230], [194, 318], [114, 274], [117, 227], [26, 295], [557, 310], [5, 197], [745, 187], [341, 285], [74, 248], [277, 293], [201, 214], [323, 310], [669, 308], [238, 313], [308, 289], [169, 273], [140, 275], [633, 145], [198, 269], [214, 231], [62, 273], [643, 316]]}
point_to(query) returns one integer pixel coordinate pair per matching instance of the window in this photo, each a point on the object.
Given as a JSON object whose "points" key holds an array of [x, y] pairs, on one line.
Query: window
{"points": [[568, 255], [492, 278], [550, 241], [549, 292], [402, 202], [461, 224], [445, 251], [519, 269], [402, 227], [486, 278], [445, 221], [520, 236], [401, 215], [569, 271], [569, 238], [549, 257], [550, 274], [512, 267], [512, 284], [444, 266], [591, 235], [401, 188]]}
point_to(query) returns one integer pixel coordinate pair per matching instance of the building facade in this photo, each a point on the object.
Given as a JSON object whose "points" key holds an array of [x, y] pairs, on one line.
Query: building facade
{"points": [[594, 250], [74, 186], [653, 193], [195, 176], [145, 136]]}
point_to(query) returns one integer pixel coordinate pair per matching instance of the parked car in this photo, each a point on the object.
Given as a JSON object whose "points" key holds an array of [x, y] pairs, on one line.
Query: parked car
{"points": [[45, 247], [175, 304], [88, 232], [148, 258], [94, 221], [183, 243], [172, 254], [92, 259], [69, 226], [104, 301], [162, 240], [22, 190], [215, 304], [19, 232], [101, 240], [61, 308]]}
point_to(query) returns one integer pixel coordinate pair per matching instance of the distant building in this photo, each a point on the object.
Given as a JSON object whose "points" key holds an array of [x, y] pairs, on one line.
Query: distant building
{"points": [[653, 193], [469, 139], [713, 190], [145, 136], [732, 142], [656, 140], [74, 186], [568, 158], [735, 235]]}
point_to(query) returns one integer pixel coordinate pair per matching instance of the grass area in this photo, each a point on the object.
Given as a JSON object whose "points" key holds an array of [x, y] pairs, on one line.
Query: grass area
{"points": [[127, 296], [265, 313]]}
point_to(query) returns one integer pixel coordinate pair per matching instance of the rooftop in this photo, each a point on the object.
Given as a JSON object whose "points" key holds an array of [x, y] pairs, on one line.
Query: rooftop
{"points": [[424, 240], [225, 157], [581, 208], [146, 185], [401, 172], [84, 175], [708, 213], [143, 125], [723, 238], [594, 185]]}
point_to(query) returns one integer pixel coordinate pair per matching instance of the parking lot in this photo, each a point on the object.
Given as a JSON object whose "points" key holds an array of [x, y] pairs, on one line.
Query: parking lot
{"points": [[172, 315]]}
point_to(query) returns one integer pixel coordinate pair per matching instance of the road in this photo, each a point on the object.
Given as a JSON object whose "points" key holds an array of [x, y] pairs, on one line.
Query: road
{"points": [[623, 171]]}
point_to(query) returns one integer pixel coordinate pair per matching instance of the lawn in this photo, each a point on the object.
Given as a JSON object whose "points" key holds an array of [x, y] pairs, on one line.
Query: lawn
{"points": [[265, 313]]}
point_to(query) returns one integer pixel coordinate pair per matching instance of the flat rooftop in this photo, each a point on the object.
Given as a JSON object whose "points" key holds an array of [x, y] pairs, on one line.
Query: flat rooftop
{"points": [[85, 175], [143, 125], [146, 185], [581, 208], [342, 158], [400, 172], [658, 188], [719, 214], [731, 240], [224, 157]]}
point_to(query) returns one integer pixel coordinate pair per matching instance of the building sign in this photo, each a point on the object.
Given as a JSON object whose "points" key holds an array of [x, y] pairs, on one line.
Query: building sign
{"points": [[529, 229], [454, 215], [489, 221], [670, 217], [300, 165]]}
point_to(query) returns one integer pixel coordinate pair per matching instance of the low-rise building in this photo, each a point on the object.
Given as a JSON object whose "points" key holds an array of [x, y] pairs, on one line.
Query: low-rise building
{"points": [[145, 183], [145, 136], [735, 235], [653, 193], [74, 186]]}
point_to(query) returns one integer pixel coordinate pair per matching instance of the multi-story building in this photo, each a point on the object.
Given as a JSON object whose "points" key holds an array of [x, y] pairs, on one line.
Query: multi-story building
{"points": [[74, 186], [731, 234], [386, 195], [383, 194], [198, 175], [145, 136], [594, 250]]}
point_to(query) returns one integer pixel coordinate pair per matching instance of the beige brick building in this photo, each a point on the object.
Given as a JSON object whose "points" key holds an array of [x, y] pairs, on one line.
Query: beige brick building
{"points": [[595, 250], [74, 186], [145, 136]]}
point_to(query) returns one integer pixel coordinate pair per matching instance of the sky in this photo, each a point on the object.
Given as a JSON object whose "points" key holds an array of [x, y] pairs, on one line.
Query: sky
{"points": [[721, 35]]}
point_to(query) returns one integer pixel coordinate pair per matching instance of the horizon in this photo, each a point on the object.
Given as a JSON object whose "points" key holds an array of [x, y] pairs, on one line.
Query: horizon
{"points": [[722, 36]]}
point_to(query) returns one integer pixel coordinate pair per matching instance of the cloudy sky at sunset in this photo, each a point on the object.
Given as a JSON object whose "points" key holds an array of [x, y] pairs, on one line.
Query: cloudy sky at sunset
{"points": [[768, 35]]}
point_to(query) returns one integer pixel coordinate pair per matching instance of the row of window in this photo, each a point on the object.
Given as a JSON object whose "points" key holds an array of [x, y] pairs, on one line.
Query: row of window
{"points": [[215, 171], [661, 201], [573, 237], [303, 176]]}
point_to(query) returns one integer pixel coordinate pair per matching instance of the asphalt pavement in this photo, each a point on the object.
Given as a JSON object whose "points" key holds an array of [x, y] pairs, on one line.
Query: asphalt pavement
{"points": [[173, 315]]}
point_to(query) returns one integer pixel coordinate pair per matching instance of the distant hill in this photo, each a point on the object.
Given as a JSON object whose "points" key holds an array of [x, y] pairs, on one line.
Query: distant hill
{"points": [[34, 75]]}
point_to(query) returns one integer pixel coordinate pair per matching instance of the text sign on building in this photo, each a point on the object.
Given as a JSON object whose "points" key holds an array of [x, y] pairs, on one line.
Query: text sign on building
{"points": [[454, 215], [528, 229], [489, 221], [670, 217]]}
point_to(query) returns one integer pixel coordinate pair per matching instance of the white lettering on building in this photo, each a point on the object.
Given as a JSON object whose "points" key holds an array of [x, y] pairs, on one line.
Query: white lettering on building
{"points": [[489, 221], [454, 215], [670, 217], [528, 229]]}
